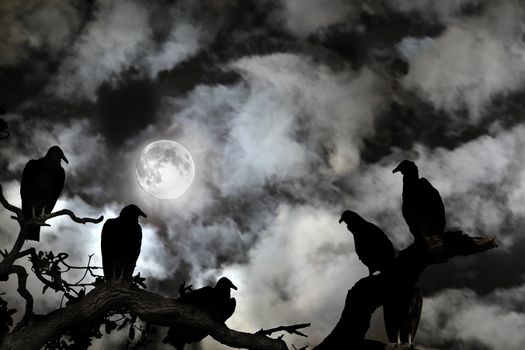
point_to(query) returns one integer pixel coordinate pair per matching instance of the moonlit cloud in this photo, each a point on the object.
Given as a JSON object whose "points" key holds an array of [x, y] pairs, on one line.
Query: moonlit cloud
{"points": [[287, 129]]}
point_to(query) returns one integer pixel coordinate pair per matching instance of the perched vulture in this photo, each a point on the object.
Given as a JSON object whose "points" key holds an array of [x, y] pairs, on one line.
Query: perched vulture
{"points": [[372, 246], [42, 182], [215, 301], [423, 207], [121, 239]]}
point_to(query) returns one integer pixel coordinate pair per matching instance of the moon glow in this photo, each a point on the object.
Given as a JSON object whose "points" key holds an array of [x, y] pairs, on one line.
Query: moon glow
{"points": [[165, 169]]}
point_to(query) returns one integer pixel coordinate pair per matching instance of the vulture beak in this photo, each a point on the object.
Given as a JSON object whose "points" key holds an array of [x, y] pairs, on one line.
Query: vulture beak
{"points": [[142, 214], [65, 159], [341, 220], [396, 170], [232, 286]]}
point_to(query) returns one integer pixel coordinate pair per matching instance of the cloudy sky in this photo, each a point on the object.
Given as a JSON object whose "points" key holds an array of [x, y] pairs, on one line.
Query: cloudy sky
{"points": [[293, 110]]}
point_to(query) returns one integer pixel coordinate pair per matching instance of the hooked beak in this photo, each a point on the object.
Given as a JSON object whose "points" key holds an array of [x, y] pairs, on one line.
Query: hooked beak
{"points": [[65, 159], [396, 170], [143, 214], [232, 286], [341, 220]]}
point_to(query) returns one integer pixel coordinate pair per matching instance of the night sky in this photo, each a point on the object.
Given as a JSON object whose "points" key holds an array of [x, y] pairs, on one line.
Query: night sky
{"points": [[293, 111]]}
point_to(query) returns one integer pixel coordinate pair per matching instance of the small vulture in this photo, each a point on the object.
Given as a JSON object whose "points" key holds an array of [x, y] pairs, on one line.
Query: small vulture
{"points": [[121, 240], [372, 246], [42, 182], [423, 207], [215, 301]]}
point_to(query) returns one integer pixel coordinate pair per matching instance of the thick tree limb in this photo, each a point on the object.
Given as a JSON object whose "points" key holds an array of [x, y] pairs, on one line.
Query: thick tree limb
{"points": [[148, 306]]}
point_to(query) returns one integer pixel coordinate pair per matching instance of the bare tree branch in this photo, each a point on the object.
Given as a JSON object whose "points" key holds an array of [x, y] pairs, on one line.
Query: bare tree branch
{"points": [[14, 254], [293, 329], [44, 218], [148, 306], [40, 220]]}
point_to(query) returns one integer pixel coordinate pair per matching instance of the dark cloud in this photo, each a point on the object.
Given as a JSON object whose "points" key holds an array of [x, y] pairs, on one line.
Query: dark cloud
{"points": [[126, 108]]}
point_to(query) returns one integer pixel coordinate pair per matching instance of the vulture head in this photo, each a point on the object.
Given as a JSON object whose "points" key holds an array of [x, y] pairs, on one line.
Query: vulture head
{"points": [[132, 211], [56, 154], [349, 217], [224, 285], [407, 167]]}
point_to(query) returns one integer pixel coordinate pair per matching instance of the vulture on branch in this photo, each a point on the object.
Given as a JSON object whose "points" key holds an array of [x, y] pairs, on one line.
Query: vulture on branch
{"points": [[215, 301], [42, 182], [121, 240], [423, 207], [372, 246]]}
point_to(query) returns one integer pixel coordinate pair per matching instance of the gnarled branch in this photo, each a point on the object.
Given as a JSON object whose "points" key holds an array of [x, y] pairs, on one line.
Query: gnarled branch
{"points": [[148, 306]]}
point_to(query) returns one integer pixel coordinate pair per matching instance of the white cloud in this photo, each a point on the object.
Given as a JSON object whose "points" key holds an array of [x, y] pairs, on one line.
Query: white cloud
{"points": [[304, 17], [461, 315], [184, 41], [299, 271], [473, 61]]}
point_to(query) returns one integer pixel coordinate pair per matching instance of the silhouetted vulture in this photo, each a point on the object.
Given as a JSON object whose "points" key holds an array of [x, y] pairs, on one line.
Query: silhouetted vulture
{"points": [[215, 301], [121, 240], [42, 182], [372, 246], [423, 207]]}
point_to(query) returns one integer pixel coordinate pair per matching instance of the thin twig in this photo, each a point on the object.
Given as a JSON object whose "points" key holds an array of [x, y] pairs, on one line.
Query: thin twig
{"points": [[293, 329]]}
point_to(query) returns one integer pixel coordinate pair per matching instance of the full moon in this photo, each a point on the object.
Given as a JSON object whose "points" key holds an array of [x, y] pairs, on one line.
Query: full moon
{"points": [[165, 169]]}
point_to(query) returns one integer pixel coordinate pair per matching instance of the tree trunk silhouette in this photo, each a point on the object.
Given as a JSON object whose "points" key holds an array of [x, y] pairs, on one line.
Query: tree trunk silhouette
{"points": [[393, 285]]}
